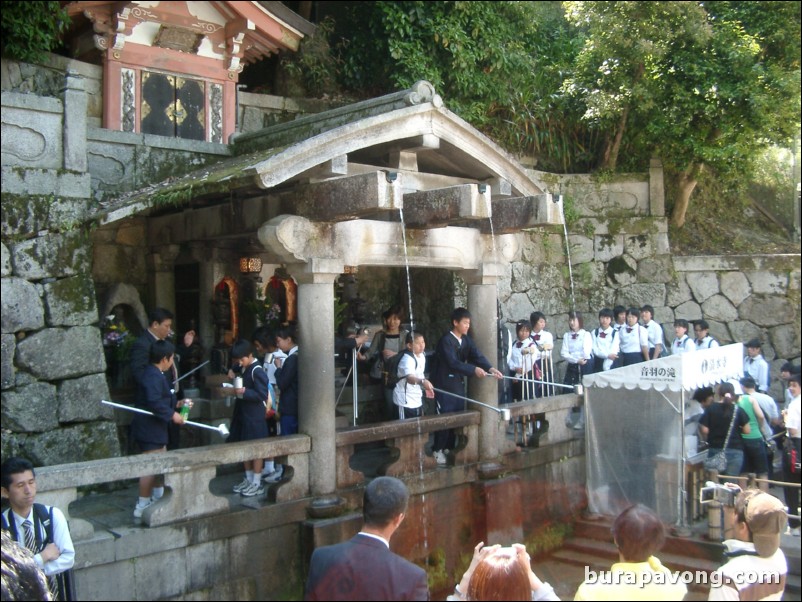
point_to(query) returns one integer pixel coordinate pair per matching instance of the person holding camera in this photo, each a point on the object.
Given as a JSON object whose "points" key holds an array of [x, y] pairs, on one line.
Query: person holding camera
{"points": [[757, 567]]}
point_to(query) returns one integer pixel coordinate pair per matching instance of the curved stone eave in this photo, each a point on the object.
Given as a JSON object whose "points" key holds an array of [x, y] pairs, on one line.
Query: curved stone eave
{"points": [[388, 127]]}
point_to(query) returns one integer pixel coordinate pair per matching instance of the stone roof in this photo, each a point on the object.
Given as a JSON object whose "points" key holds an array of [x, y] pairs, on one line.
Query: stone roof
{"points": [[366, 133]]}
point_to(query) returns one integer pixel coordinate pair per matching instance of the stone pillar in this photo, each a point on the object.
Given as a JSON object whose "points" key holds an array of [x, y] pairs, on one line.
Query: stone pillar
{"points": [[75, 103], [657, 192], [162, 264], [316, 373], [212, 263], [482, 303]]}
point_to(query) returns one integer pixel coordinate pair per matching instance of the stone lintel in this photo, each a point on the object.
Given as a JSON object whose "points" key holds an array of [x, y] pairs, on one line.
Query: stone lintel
{"points": [[515, 214], [444, 206], [345, 198], [330, 247]]}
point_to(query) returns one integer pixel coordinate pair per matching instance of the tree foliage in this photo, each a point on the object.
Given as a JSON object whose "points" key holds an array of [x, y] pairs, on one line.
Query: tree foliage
{"points": [[31, 29], [581, 86]]}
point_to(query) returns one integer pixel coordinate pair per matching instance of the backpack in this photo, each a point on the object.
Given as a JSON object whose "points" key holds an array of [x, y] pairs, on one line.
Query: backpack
{"points": [[42, 515], [391, 368]]}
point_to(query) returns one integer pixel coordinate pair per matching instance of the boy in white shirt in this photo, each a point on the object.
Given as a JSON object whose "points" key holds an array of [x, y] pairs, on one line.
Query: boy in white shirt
{"points": [[412, 383]]}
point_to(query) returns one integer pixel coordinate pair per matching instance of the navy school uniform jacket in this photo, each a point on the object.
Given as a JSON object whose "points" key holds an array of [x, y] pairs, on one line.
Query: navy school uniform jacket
{"points": [[455, 361], [248, 421], [287, 381], [154, 395]]}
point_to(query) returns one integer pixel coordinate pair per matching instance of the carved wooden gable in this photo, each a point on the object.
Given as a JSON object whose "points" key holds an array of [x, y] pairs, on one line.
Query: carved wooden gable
{"points": [[171, 68]]}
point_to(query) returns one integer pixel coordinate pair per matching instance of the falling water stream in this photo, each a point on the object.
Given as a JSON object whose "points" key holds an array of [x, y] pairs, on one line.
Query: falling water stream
{"points": [[424, 518], [568, 254]]}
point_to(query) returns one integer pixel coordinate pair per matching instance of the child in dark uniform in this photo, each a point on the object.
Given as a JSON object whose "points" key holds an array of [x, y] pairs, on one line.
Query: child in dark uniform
{"points": [[248, 421], [150, 432]]}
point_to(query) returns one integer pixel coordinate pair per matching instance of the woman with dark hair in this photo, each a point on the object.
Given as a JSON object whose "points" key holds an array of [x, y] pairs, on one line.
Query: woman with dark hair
{"points": [[498, 573], [386, 343], [638, 534], [723, 419]]}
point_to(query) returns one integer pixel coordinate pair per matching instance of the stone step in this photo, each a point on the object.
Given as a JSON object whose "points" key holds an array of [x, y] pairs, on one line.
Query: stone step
{"points": [[694, 547], [608, 551]]}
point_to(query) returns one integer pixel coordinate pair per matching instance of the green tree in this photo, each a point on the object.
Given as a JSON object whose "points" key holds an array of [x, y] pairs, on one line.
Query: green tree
{"points": [[703, 86], [31, 29]]}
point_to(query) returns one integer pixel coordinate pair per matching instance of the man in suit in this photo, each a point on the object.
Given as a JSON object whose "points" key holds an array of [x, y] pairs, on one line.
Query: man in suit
{"points": [[364, 568]]}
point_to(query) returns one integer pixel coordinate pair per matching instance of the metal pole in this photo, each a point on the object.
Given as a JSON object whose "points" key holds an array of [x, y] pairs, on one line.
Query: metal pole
{"points": [[222, 429], [354, 389]]}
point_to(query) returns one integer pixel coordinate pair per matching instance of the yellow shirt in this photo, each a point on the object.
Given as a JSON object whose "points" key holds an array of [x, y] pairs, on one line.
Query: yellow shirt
{"points": [[648, 580]]}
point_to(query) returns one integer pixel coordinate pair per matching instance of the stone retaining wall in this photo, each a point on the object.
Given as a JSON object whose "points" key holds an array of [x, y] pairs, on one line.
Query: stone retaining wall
{"points": [[620, 255]]}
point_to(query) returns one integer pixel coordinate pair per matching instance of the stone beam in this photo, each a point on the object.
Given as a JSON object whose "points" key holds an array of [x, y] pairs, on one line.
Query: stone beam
{"points": [[345, 198], [380, 243], [519, 213], [443, 206]]}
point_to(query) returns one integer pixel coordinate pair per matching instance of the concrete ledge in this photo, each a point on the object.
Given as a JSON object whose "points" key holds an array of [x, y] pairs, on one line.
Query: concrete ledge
{"points": [[709, 263], [31, 102], [62, 476], [153, 141]]}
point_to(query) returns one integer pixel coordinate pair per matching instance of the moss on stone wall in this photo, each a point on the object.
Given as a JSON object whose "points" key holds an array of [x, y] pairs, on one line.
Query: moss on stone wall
{"points": [[617, 266]]}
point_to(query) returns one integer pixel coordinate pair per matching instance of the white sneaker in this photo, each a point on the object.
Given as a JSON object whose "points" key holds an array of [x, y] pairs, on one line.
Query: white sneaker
{"points": [[795, 531], [275, 476], [440, 458], [579, 426], [140, 508], [242, 486], [252, 490]]}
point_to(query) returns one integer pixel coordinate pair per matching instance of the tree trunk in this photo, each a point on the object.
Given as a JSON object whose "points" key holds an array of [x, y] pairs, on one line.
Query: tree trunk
{"points": [[609, 156], [686, 185], [604, 155], [612, 158]]}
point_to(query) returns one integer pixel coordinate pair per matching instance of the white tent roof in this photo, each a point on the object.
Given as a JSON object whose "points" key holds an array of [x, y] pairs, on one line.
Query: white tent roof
{"points": [[702, 368]]}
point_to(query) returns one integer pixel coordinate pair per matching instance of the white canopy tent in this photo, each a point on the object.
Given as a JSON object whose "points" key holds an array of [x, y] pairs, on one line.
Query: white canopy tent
{"points": [[635, 425]]}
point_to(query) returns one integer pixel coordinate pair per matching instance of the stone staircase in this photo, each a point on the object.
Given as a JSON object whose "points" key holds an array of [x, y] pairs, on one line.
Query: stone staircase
{"points": [[591, 546]]}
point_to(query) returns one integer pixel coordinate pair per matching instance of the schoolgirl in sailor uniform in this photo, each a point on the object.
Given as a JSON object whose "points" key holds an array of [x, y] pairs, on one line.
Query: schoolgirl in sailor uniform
{"points": [[605, 342], [682, 343], [522, 362], [633, 340], [576, 350]]}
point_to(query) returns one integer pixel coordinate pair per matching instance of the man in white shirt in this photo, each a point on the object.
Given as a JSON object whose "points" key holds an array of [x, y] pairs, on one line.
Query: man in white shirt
{"points": [[41, 529], [756, 366]]}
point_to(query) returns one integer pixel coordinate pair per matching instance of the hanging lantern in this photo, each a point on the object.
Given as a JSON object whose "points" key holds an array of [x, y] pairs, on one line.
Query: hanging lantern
{"points": [[250, 265]]}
